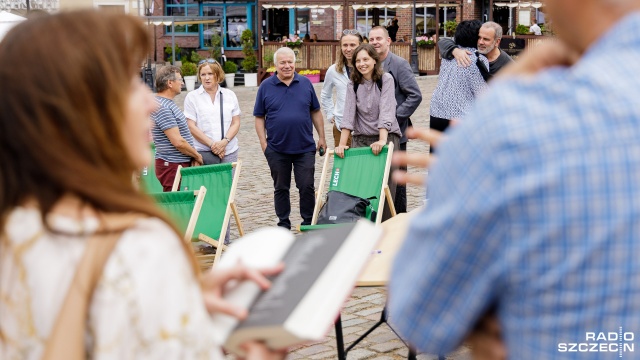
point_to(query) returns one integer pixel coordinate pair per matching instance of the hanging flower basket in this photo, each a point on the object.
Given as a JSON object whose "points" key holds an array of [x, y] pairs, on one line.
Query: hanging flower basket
{"points": [[426, 42]]}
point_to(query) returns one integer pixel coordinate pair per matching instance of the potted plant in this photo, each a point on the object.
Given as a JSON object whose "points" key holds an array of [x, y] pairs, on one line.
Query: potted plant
{"points": [[294, 43], [522, 30], [268, 58], [313, 75], [230, 69], [216, 45], [169, 51], [271, 70], [189, 71], [450, 26], [250, 60], [425, 42]]}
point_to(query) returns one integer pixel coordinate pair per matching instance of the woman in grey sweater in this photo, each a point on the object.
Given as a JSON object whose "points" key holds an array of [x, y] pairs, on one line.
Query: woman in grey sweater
{"points": [[370, 113], [370, 109]]}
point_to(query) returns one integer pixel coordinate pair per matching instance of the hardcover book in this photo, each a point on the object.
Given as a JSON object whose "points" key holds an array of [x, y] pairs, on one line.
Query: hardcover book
{"points": [[321, 269]]}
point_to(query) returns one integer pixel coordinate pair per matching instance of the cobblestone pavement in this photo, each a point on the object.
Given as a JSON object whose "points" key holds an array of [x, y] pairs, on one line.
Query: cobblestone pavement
{"points": [[255, 206]]}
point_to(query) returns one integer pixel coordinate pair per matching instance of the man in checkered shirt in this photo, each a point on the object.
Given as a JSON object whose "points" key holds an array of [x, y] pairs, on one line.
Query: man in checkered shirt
{"points": [[534, 202]]}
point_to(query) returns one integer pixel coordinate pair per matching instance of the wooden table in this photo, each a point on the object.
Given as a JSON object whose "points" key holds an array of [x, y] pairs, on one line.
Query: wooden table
{"points": [[378, 269]]}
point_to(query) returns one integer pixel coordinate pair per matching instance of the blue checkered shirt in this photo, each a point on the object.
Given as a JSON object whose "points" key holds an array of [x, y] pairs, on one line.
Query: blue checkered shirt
{"points": [[534, 207]]}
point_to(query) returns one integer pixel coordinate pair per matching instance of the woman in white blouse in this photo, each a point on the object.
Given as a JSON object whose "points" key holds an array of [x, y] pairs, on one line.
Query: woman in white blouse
{"points": [[337, 77], [213, 115], [68, 151]]}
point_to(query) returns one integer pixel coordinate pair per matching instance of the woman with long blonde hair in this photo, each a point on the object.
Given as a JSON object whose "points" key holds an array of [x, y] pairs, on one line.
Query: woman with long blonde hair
{"points": [[73, 130], [337, 77]]}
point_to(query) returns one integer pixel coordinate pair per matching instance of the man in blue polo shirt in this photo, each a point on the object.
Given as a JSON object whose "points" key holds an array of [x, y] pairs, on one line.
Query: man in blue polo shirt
{"points": [[286, 111]]}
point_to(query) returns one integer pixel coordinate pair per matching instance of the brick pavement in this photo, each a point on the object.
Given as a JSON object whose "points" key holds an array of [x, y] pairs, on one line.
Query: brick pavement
{"points": [[255, 205]]}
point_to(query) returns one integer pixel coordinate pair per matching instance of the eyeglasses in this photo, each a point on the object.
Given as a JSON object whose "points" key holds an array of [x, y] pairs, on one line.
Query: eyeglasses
{"points": [[177, 79], [350, 32], [210, 61]]}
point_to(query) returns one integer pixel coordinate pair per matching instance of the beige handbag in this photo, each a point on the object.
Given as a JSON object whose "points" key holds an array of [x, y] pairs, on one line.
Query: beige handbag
{"points": [[67, 338]]}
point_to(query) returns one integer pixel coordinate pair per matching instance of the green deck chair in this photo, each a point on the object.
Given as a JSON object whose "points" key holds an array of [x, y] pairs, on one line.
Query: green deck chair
{"points": [[361, 174], [220, 202], [149, 183], [183, 207]]}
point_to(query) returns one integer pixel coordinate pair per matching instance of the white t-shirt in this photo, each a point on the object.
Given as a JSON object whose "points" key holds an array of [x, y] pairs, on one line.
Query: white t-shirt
{"points": [[199, 108], [147, 305], [535, 29]]}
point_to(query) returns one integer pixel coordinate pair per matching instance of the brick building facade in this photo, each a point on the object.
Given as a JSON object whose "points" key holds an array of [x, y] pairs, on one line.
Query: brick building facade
{"points": [[274, 19]]}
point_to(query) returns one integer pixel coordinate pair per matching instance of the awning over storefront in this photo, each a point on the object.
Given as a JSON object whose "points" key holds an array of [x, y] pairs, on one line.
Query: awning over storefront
{"points": [[291, 6], [536, 5], [401, 6], [381, 5], [180, 20]]}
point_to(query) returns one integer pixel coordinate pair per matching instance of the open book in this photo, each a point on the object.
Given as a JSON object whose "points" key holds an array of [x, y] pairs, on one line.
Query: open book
{"points": [[321, 268]]}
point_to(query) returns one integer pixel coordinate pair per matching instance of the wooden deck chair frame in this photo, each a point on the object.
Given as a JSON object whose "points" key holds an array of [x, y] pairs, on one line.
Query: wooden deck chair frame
{"points": [[231, 208], [385, 193], [199, 194]]}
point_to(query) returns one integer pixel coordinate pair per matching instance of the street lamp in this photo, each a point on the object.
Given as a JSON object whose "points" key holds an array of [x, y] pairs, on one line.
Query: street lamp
{"points": [[148, 72], [414, 46]]}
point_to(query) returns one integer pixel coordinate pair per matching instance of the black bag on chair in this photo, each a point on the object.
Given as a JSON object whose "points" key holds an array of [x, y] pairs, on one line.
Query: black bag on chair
{"points": [[342, 208]]}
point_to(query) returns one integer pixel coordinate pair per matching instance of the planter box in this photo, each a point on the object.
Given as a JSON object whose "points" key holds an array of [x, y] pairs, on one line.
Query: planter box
{"points": [[250, 79], [230, 79], [314, 78], [190, 82]]}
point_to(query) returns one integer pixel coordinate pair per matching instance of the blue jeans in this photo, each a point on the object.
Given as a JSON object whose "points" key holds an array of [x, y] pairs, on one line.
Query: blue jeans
{"points": [[303, 166]]}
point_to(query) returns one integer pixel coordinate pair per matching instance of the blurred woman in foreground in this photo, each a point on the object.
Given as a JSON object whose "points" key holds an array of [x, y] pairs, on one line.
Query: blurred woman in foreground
{"points": [[73, 130]]}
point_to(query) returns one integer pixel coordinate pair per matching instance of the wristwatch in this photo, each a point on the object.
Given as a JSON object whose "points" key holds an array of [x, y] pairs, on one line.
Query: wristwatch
{"points": [[226, 138]]}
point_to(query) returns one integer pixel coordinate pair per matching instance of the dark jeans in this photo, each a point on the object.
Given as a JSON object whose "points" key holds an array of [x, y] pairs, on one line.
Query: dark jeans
{"points": [[400, 202], [303, 166], [439, 124]]}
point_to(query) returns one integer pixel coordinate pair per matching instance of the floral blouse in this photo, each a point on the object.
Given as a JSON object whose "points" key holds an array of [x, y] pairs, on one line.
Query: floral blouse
{"points": [[147, 305]]}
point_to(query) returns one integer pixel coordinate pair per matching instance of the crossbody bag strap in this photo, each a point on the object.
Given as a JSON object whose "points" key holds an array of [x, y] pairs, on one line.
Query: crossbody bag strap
{"points": [[67, 338], [221, 118]]}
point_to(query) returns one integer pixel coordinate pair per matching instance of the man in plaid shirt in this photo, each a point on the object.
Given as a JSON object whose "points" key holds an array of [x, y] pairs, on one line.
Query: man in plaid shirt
{"points": [[534, 206]]}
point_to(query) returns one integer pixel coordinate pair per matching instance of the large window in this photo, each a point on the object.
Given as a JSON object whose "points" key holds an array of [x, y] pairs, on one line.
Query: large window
{"points": [[302, 22], [386, 15], [426, 20], [227, 20], [237, 22], [368, 18], [182, 8], [364, 21], [212, 28]]}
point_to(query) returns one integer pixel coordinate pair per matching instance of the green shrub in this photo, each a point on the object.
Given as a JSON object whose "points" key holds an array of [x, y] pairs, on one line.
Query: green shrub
{"points": [[250, 60], [450, 26], [189, 69], [195, 57], [230, 67], [522, 29], [216, 44], [268, 58], [177, 50]]}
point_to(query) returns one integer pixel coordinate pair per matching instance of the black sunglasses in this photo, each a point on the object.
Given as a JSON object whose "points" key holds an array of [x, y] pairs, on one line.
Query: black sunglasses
{"points": [[350, 32], [210, 61]]}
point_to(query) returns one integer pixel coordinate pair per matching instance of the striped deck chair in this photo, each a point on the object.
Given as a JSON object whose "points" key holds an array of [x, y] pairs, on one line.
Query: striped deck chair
{"points": [[220, 202], [183, 207], [359, 173], [149, 183]]}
